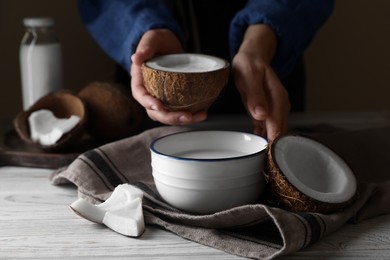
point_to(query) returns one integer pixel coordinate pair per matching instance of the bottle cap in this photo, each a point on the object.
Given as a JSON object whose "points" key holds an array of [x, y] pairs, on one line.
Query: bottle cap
{"points": [[38, 21]]}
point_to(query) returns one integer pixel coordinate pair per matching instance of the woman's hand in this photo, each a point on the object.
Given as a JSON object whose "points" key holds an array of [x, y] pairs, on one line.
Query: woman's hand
{"points": [[262, 93], [157, 42]]}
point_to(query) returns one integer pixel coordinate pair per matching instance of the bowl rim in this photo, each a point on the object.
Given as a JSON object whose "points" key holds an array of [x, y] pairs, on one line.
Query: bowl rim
{"points": [[239, 157]]}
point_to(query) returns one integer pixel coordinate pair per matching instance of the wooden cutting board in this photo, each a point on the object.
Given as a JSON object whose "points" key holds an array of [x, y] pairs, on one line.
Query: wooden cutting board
{"points": [[15, 152]]}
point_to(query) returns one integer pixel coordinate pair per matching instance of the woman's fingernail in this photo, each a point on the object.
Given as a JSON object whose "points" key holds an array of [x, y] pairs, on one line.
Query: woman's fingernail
{"points": [[153, 107], [184, 119], [260, 111]]}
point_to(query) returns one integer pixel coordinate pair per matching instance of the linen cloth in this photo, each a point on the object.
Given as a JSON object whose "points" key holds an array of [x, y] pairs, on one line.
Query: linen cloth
{"points": [[258, 231]]}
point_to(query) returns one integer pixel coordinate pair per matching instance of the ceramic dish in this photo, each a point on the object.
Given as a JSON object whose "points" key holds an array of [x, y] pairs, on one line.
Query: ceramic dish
{"points": [[204, 172]]}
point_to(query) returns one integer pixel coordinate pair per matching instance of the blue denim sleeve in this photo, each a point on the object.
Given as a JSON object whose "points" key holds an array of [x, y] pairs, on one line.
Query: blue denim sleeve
{"points": [[118, 25], [295, 23]]}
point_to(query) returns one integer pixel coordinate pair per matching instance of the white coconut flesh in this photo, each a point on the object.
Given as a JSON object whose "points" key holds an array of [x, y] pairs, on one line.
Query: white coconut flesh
{"points": [[47, 129], [186, 63], [314, 169], [121, 212]]}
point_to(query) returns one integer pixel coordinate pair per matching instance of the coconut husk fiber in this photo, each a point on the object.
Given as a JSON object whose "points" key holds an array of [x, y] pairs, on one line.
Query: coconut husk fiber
{"points": [[112, 111]]}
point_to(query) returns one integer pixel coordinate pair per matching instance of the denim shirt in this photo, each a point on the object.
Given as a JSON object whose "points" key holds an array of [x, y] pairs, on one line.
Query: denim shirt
{"points": [[118, 25]]}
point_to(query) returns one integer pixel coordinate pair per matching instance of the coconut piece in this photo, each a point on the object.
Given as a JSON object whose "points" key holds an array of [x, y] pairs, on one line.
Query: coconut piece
{"points": [[122, 195], [88, 211], [112, 112], [121, 212], [47, 129], [185, 82], [127, 220], [63, 104], [306, 176]]}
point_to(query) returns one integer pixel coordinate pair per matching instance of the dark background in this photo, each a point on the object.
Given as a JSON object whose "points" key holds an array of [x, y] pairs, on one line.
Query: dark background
{"points": [[347, 64]]}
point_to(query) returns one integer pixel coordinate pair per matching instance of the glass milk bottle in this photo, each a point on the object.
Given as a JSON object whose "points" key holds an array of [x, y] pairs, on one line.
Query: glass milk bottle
{"points": [[40, 60]]}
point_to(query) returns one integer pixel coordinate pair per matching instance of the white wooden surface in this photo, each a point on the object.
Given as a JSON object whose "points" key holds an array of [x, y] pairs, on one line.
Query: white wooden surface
{"points": [[37, 223]]}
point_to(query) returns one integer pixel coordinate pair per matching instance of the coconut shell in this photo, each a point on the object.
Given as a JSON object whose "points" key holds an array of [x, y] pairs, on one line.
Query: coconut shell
{"points": [[63, 104], [288, 197], [185, 91], [112, 112]]}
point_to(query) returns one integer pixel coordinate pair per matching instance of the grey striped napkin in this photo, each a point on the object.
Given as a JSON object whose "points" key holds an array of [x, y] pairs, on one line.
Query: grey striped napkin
{"points": [[255, 231]]}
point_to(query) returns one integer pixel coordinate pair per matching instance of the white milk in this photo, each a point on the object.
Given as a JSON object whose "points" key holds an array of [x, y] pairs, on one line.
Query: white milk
{"points": [[41, 71]]}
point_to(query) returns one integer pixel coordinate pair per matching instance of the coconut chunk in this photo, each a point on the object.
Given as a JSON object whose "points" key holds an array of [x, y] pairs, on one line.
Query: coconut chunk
{"points": [[127, 220], [47, 129], [88, 211], [123, 194], [121, 212]]}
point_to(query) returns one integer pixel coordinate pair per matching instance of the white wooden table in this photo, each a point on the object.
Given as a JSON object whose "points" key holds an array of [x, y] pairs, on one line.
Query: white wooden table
{"points": [[37, 223]]}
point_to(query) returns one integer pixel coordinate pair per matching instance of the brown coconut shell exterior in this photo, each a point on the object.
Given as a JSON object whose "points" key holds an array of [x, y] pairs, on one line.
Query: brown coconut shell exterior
{"points": [[286, 196], [179, 91], [63, 104], [112, 111]]}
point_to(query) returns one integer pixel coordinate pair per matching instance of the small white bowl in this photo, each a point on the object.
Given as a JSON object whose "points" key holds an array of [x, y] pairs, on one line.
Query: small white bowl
{"points": [[204, 172]]}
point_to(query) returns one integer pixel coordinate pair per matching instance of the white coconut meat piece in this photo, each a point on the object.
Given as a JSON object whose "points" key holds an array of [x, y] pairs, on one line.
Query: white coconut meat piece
{"points": [[190, 63], [47, 129], [314, 169], [85, 209], [127, 220], [121, 212], [121, 196]]}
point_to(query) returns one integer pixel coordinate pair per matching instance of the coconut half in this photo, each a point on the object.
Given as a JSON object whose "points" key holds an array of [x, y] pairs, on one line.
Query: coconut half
{"points": [[63, 104], [185, 82], [304, 175]]}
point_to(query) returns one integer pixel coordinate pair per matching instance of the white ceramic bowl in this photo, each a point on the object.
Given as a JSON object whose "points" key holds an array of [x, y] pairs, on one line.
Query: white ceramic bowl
{"points": [[204, 172]]}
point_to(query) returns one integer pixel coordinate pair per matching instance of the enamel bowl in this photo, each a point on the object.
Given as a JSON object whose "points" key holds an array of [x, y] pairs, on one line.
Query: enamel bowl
{"points": [[204, 172]]}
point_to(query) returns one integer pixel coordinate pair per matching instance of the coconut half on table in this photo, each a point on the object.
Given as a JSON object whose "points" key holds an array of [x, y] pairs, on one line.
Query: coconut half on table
{"points": [[185, 82], [63, 105], [306, 176]]}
